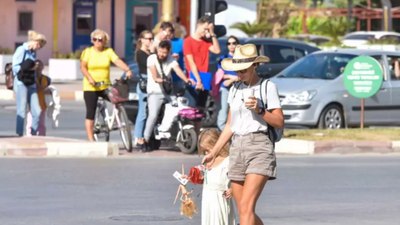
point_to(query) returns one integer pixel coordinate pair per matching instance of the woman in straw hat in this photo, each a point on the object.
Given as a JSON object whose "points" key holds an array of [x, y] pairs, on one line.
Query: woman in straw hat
{"points": [[251, 156], [25, 90]]}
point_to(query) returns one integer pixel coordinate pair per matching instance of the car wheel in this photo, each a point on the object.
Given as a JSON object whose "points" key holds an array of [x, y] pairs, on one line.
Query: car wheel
{"points": [[331, 118], [211, 112]]}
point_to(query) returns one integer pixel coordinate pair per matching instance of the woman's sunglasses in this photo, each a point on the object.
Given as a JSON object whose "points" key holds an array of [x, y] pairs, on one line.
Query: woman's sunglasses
{"points": [[231, 43], [97, 39], [150, 39], [241, 71]]}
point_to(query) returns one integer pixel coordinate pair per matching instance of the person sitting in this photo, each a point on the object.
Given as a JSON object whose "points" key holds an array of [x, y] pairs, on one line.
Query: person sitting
{"points": [[159, 84]]}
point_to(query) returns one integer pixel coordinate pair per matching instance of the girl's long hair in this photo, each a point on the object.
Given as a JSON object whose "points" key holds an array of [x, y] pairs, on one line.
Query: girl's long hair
{"points": [[207, 139]]}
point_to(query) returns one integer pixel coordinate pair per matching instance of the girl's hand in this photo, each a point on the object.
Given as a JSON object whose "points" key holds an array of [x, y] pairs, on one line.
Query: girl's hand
{"points": [[228, 193]]}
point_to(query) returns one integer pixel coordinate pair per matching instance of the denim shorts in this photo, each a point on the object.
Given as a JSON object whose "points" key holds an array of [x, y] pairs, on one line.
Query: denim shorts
{"points": [[251, 154]]}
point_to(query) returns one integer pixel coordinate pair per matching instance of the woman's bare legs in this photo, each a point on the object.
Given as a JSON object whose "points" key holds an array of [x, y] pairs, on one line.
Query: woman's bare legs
{"points": [[89, 124], [246, 194]]}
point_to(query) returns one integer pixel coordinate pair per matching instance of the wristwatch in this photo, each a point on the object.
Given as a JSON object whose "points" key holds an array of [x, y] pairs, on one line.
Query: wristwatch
{"points": [[261, 111]]}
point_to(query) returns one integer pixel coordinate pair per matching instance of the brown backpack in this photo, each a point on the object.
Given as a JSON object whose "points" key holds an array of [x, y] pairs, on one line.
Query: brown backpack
{"points": [[9, 76]]}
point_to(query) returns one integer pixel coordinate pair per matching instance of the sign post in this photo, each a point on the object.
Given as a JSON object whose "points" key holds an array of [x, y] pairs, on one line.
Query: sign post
{"points": [[363, 78]]}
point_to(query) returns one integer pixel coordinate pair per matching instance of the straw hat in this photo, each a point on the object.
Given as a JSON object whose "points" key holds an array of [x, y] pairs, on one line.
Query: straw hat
{"points": [[243, 57]]}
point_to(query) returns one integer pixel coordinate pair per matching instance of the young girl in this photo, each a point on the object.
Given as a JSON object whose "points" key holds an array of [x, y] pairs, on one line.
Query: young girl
{"points": [[217, 205], [42, 82]]}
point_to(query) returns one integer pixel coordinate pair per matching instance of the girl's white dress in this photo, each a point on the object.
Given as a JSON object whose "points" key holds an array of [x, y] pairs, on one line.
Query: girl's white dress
{"points": [[215, 208]]}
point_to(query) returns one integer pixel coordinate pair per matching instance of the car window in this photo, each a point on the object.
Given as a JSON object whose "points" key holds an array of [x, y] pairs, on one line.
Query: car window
{"points": [[359, 37], [380, 60], [280, 53], [298, 53], [393, 39], [394, 67], [319, 66]]}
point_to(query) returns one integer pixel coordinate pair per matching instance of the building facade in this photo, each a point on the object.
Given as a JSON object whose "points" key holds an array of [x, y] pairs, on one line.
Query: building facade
{"points": [[67, 24]]}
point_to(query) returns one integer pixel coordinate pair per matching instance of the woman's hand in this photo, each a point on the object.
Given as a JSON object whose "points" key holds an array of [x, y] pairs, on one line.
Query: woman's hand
{"points": [[208, 160], [91, 81], [129, 74], [251, 103]]}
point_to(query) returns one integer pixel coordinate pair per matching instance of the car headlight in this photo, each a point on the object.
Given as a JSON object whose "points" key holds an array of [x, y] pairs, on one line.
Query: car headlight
{"points": [[301, 97]]}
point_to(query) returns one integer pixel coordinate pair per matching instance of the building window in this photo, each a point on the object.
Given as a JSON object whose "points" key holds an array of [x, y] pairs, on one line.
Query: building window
{"points": [[25, 21]]}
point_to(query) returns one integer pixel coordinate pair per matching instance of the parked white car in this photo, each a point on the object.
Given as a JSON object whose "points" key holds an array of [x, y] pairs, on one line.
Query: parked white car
{"points": [[313, 94], [358, 38]]}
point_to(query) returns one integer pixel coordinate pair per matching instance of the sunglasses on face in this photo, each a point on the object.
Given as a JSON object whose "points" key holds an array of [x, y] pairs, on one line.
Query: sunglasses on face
{"points": [[231, 43], [150, 39], [242, 71], [97, 39]]}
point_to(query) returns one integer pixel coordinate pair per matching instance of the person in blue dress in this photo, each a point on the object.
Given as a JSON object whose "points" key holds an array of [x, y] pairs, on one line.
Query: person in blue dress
{"points": [[226, 79]]}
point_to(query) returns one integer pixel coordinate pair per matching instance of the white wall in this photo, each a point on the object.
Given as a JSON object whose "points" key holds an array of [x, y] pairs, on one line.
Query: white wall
{"points": [[238, 11]]}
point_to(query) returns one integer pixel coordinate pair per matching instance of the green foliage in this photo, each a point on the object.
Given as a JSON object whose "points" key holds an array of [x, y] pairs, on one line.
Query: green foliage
{"points": [[335, 27], [71, 55], [5, 51], [251, 29]]}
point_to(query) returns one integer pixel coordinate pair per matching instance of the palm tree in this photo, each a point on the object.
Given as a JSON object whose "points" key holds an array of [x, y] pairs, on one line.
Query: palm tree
{"points": [[252, 29]]}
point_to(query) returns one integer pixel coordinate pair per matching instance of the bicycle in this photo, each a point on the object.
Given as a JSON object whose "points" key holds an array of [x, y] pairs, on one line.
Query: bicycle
{"points": [[107, 120]]}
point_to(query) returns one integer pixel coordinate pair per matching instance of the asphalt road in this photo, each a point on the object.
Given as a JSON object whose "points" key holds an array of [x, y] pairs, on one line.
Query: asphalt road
{"points": [[71, 120], [140, 190]]}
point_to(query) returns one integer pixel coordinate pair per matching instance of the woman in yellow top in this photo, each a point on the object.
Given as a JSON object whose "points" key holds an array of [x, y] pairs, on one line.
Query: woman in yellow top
{"points": [[95, 66]]}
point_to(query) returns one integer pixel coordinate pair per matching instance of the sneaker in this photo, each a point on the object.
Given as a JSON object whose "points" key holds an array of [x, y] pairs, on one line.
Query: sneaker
{"points": [[163, 135]]}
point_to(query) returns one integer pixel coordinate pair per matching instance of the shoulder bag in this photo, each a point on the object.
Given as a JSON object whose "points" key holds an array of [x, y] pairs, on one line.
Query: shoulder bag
{"points": [[167, 82]]}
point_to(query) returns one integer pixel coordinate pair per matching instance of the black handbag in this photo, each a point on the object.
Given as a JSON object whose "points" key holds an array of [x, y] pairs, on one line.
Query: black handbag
{"points": [[27, 73], [142, 83]]}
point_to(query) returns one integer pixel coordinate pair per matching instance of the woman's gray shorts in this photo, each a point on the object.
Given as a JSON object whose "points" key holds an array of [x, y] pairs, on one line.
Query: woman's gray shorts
{"points": [[251, 154]]}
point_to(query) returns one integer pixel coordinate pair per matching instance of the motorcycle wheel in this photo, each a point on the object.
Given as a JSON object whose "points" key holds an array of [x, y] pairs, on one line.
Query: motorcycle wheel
{"points": [[188, 141]]}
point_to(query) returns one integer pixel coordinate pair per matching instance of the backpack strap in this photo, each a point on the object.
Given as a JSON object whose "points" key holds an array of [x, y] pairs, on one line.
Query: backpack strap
{"points": [[236, 87], [264, 103]]}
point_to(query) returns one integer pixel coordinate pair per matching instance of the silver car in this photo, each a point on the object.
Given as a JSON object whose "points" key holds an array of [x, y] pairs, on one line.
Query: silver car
{"points": [[313, 94]]}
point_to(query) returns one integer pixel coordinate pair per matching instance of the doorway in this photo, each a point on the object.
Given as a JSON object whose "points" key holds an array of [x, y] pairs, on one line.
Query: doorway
{"points": [[84, 14], [140, 15]]}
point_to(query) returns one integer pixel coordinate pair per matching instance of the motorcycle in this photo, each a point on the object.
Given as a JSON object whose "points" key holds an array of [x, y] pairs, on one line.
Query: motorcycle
{"points": [[176, 122]]}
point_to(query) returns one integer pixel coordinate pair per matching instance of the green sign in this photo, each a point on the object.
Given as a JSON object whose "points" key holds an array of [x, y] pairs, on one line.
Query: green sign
{"points": [[363, 77]]}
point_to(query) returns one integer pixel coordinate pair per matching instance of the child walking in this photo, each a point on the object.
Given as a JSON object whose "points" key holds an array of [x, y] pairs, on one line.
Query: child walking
{"points": [[217, 205], [42, 83]]}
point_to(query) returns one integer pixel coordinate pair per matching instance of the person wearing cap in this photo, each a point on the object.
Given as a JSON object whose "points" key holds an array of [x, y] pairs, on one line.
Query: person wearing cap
{"points": [[252, 160], [26, 94]]}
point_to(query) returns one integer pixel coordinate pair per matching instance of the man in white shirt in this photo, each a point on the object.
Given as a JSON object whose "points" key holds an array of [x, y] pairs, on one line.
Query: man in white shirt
{"points": [[159, 84]]}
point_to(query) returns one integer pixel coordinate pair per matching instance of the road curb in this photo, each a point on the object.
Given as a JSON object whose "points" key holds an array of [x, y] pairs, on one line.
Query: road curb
{"points": [[64, 95], [55, 147], [293, 146]]}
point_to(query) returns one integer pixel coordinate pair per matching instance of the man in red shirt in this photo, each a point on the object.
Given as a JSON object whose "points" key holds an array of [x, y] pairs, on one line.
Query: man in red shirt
{"points": [[196, 50]]}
